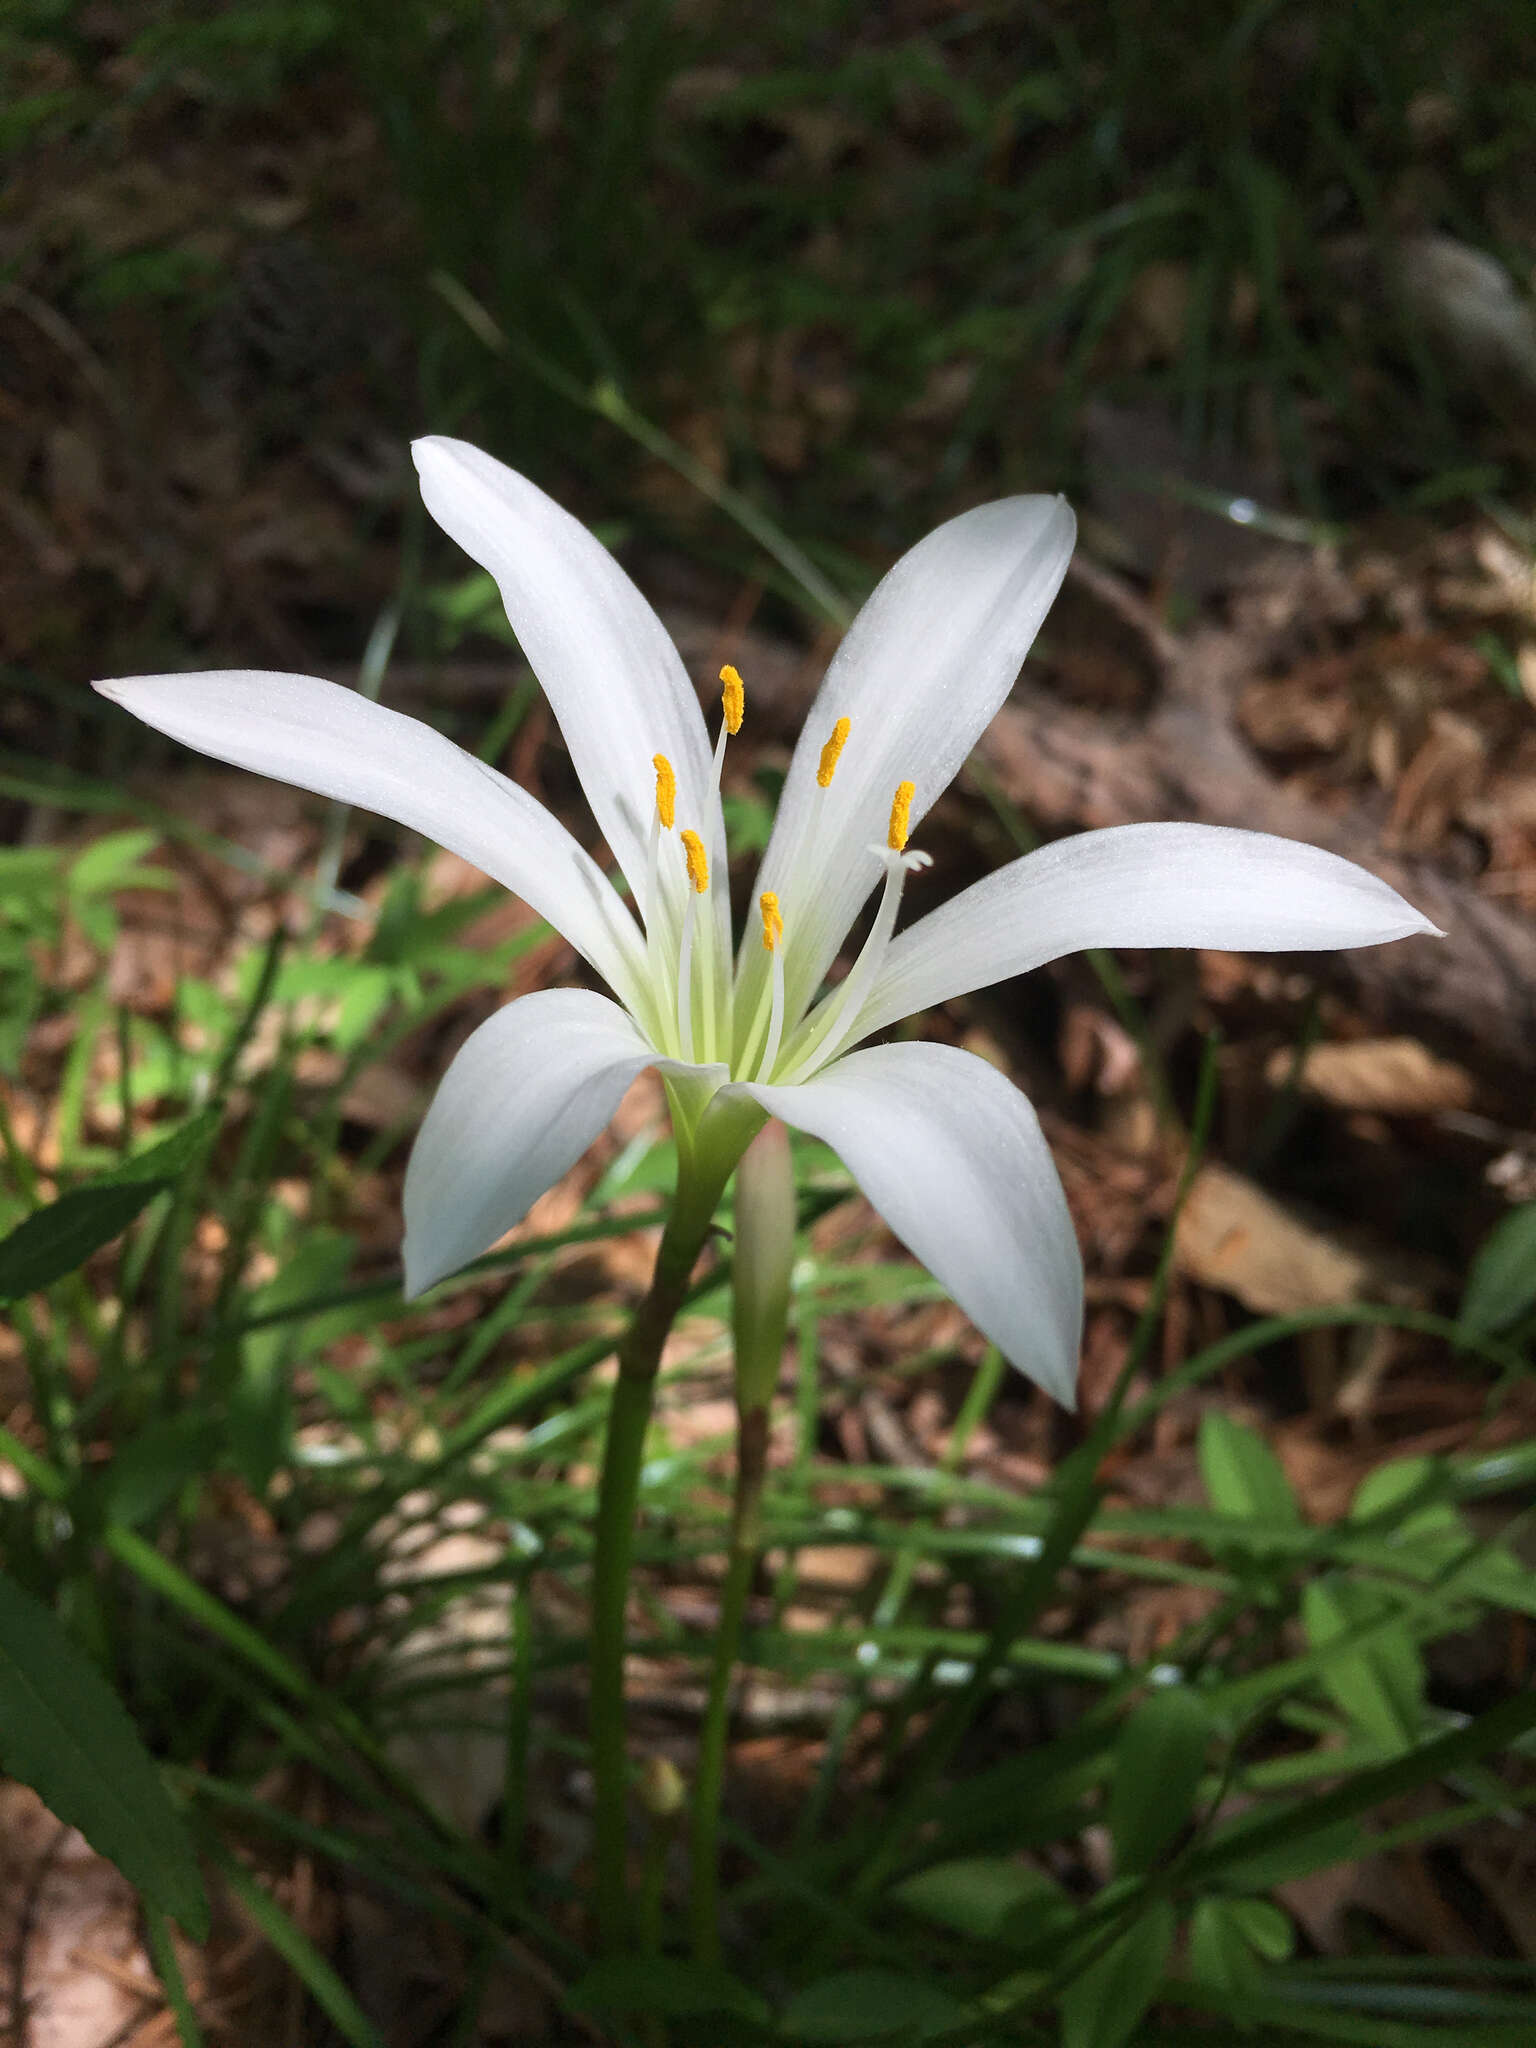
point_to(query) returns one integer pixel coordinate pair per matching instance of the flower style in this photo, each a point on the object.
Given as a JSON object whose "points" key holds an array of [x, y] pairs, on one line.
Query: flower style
{"points": [[946, 1149]]}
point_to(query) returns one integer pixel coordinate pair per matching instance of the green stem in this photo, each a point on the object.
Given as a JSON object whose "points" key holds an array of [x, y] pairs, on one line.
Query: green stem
{"points": [[746, 1521], [765, 1245], [699, 1188]]}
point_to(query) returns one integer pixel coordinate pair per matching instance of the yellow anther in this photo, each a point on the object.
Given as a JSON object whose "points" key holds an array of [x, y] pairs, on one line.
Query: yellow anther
{"points": [[773, 924], [831, 751], [666, 789], [901, 813], [733, 698], [697, 859]]}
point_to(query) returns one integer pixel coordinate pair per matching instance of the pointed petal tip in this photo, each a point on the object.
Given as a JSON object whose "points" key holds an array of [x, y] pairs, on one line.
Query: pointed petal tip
{"points": [[421, 1273], [430, 447], [1058, 1378]]}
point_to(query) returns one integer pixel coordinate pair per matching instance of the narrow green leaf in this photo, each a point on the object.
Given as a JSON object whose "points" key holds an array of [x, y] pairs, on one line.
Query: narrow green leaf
{"points": [[1262, 1838], [56, 1239], [162, 1952], [1158, 1762], [303, 1958], [1242, 1474], [1501, 1288], [64, 1732], [1102, 2007]]}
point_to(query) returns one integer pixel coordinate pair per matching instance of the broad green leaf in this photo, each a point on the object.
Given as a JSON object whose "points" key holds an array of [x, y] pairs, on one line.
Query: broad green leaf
{"points": [[150, 1467], [54, 1240], [112, 862], [1242, 1474], [1379, 1683], [64, 1732], [870, 2005], [1231, 1939], [1266, 1929], [1408, 1488], [666, 1986], [990, 1898], [1102, 2007], [1501, 1288], [1409, 1493], [1218, 1953], [1158, 1762]]}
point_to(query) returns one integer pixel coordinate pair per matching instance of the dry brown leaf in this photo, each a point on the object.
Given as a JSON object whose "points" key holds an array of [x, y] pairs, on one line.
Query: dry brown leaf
{"points": [[1444, 775], [1234, 1237], [1391, 1076]]}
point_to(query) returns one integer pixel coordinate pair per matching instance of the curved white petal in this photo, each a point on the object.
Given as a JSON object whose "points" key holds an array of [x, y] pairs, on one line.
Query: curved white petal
{"points": [[524, 1098], [616, 683], [951, 1155], [921, 672], [322, 737], [1138, 885]]}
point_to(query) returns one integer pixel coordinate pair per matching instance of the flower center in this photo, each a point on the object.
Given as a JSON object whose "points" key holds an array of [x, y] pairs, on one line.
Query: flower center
{"points": [[691, 1001]]}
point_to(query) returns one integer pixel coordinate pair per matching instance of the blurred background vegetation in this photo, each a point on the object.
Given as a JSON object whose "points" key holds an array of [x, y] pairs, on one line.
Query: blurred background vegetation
{"points": [[764, 292]]}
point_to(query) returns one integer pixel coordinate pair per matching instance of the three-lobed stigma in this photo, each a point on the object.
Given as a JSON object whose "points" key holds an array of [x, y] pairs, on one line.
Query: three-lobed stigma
{"points": [[697, 859], [773, 923], [666, 790], [901, 816], [831, 751]]}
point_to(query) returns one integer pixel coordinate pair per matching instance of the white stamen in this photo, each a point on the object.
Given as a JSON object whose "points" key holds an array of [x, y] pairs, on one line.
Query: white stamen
{"points": [[775, 1019], [827, 1032], [685, 982]]}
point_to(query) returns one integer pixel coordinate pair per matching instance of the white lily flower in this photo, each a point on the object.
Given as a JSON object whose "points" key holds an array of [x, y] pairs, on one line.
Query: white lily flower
{"points": [[947, 1150]]}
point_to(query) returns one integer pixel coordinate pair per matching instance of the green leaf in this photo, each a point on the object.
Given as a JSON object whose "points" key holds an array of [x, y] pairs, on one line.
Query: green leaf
{"points": [[56, 1239], [1274, 1862], [990, 1898], [665, 1985], [150, 1468], [303, 1958], [259, 1417], [1242, 1474], [1102, 2007], [1501, 1288], [1230, 1939], [870, 2005], [64, 1732], [1379, 1683], [1158, 1764], [112, 862]]}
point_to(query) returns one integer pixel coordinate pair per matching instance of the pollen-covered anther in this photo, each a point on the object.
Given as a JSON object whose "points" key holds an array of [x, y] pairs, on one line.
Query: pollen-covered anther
{"points": [[666, 790], [697, 859], [831, 751], [773, 924], [733, 698], [901, 816]]}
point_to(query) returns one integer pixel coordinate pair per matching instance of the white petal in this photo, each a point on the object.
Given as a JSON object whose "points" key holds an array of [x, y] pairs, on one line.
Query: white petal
{"points": [[951, 1155], [922, 670], [321, 737], [524, 1098], [1138, 885], [616, 683]]}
